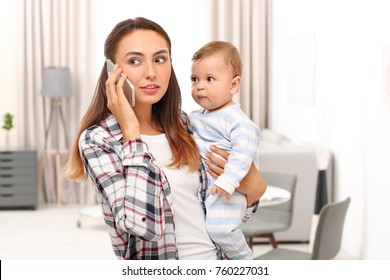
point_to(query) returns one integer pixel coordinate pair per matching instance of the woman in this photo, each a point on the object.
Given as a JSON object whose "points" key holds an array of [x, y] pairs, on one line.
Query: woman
{"points": [[142, 160]]}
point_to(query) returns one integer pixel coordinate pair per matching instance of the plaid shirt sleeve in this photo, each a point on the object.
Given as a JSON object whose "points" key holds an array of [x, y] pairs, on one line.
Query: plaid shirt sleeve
{"points": [[128, 180]]}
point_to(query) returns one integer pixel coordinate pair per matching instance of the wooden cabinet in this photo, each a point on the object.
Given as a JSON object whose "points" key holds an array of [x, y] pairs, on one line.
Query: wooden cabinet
{"points": [[18, 178]]}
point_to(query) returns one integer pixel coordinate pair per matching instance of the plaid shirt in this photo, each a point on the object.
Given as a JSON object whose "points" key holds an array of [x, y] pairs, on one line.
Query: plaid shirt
{"points": [[134, 193]]}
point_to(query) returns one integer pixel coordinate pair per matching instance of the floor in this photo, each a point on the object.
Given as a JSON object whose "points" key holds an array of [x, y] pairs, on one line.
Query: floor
{"points": [[52, 233]]}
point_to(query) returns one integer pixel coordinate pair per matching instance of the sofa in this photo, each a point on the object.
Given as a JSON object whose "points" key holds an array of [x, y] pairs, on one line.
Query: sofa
{"points": [[277, 153]]}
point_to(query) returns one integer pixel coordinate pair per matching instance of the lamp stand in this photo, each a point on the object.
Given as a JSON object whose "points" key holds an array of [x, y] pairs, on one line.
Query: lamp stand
{"points": [[56, 109]]}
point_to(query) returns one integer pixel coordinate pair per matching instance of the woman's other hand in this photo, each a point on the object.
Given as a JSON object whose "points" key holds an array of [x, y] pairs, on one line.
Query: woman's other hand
{"points": [[252, 185]]}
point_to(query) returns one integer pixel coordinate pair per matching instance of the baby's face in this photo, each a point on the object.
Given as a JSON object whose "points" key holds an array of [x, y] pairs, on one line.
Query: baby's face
{"points": [[213, 84]]}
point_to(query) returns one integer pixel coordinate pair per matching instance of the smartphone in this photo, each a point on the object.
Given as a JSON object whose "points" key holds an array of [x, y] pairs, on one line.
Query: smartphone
{"points": [[128, 87]]}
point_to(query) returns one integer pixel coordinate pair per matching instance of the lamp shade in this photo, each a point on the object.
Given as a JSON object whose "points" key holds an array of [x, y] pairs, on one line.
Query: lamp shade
{"points": [[57, 82]]}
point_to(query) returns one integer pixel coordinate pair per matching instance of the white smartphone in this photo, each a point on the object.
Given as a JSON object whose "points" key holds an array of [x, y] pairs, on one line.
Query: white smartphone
{"points": [[128, 87]]}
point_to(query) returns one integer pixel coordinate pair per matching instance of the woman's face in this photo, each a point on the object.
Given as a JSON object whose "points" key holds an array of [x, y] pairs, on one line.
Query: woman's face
{"points": [[143, 56]]}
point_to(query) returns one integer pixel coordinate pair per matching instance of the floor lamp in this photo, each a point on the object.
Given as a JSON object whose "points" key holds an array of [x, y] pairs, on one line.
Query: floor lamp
{"points": [[56, 84]]}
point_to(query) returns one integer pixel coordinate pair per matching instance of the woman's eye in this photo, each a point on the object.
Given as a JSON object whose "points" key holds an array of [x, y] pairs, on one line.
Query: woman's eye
{"points": [[160, 59], [135, 61]]}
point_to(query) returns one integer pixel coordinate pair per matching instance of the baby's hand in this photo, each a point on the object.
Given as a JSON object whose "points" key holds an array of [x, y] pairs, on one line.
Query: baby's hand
{"points": [[219, 191]]}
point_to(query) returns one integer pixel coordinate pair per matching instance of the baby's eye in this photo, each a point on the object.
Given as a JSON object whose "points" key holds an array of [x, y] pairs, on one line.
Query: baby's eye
{"points": [[194, 80], [210, 79]]}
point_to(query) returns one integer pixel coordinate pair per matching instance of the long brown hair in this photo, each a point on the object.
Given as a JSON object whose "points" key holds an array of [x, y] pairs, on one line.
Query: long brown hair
{"points": [[166, 112]]}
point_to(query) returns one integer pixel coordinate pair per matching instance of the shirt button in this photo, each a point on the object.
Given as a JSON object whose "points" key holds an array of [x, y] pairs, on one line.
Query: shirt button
{"points": [[144, 219]]}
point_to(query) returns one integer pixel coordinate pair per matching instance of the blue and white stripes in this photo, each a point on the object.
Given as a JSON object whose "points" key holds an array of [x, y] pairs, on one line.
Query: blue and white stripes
{"points": [[231, 130]]}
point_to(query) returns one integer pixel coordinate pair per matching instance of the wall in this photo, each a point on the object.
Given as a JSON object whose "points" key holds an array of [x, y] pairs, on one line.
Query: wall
{"points": [[8, 71], [345, 111]]}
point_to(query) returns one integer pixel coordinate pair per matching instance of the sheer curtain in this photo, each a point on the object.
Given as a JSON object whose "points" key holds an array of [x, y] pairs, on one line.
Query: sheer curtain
{"points": [[54, 33], [247, 25]]}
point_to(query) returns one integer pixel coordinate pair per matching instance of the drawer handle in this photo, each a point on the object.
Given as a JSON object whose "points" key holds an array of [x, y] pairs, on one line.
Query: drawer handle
{"points": [[6, 168], [7, 175], [6, 185], [7, 195], [6, 160], [6, 153]]}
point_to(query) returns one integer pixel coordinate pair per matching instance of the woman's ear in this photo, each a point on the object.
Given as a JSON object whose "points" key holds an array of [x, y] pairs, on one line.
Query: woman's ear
{"points": [[236, 82]]}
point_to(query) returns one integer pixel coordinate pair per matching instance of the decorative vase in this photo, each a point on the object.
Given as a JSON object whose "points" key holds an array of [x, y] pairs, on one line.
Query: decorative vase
{"points": [[7, 138]]}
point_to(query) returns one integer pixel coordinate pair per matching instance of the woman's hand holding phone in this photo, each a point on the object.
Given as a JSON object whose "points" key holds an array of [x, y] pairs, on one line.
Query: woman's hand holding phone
{"points": [[128, 88], [119, 105]]}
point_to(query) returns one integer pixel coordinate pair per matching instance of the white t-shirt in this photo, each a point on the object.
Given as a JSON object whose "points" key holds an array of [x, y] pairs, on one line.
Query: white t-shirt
{"points": [[192, 239]]}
